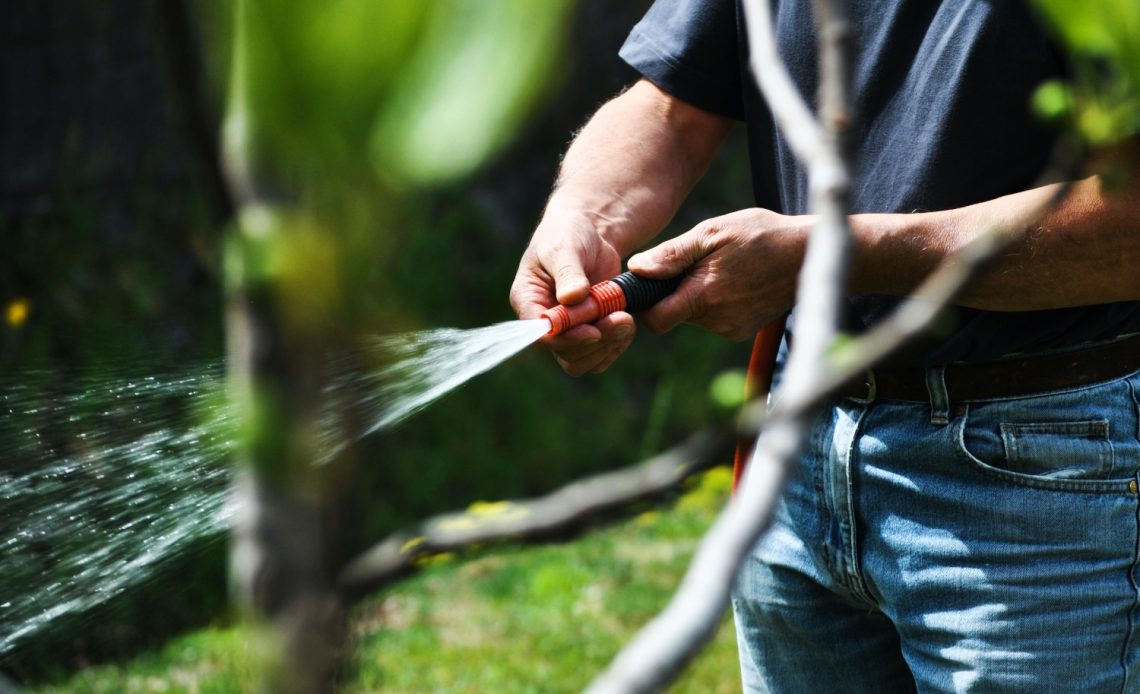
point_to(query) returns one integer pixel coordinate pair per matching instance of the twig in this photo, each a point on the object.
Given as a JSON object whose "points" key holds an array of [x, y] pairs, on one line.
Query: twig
{"points": [[922, 308], [553, 515]]}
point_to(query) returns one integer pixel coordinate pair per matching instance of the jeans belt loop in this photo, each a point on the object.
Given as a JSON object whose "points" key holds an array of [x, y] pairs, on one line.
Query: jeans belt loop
{"points": [[939, 395]]}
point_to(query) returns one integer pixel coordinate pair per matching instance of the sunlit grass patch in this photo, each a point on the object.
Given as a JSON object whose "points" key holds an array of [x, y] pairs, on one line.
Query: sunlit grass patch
{"points": [[543, 619], [516, 619]]}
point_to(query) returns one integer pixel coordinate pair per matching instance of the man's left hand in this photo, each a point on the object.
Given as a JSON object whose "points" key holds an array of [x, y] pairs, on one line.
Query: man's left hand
{"points": [[742, 270]]}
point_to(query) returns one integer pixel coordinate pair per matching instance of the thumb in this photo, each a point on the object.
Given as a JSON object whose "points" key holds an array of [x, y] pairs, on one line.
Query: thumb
{"points": [[570, 282], [671, 257]]}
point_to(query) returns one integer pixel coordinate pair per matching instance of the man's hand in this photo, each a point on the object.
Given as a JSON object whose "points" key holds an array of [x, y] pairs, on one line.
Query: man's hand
{"points": [[742, 272], [566, 256], [621, 181]]}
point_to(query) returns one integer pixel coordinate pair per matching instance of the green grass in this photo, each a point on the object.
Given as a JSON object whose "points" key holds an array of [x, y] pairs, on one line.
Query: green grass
{"points": [[521, 619]]}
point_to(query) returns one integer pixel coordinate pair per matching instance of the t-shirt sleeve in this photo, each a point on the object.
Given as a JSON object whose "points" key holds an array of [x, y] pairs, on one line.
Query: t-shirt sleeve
{"points": [[689, 48]]}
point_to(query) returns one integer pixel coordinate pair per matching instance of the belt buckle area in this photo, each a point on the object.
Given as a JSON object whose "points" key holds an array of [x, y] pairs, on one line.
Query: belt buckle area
{"points": [[871, 387]]}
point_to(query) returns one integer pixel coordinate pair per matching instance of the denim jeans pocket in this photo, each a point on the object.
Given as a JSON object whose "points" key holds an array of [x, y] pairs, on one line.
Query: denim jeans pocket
{"points": [[1061, 450], [1081, 440]]}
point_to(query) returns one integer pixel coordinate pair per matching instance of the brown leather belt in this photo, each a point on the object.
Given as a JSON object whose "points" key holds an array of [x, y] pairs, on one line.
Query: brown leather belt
{"points": [[1006, 378]]}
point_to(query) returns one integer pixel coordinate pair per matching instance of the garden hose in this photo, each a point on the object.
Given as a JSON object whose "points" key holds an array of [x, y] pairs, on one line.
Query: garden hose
{"points": [[626, 292]]}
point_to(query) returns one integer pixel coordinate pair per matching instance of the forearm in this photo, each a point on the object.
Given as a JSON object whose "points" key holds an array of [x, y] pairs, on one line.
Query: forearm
{"points": [[632, 165], [1084, 251]]}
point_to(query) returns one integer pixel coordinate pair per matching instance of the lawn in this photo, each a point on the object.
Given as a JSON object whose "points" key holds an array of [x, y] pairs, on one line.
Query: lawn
{"points": [[503, 620]]}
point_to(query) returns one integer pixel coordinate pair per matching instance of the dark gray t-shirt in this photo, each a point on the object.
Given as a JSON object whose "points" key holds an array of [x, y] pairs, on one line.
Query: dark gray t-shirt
{"points": [[941, 95]]}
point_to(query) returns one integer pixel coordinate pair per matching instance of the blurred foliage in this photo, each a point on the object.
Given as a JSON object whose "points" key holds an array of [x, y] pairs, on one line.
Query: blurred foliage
{"points": [[422, 91], [727, 389], [128, 280], [445, 117], [1102, 39]]}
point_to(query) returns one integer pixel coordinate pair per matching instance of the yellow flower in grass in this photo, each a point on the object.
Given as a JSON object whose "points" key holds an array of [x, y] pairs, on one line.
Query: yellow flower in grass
{"points": [[17, 311]]}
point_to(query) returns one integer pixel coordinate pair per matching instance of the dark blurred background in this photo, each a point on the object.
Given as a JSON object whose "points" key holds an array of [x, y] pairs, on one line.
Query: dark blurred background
{"points": [[111, 259]]}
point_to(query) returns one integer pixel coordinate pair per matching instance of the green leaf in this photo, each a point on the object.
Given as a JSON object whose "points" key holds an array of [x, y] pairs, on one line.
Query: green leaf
{"points": [[478, 70], [727, 389], [308, 77], [1053, 101], [430, 88]]}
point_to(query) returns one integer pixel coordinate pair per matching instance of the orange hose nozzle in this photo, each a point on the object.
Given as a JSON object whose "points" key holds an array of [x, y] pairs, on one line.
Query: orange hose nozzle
{"points": [[604, 298], [626, 292]]}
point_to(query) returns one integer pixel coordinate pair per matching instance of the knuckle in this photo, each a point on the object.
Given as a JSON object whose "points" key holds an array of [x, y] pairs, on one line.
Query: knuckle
{"points": [[707, 232], [517, 297], [566, 267], [604, 364], [577, 353], [671, 253]]}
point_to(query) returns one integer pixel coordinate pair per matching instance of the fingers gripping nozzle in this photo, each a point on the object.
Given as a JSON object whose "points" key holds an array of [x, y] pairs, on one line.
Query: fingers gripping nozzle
{"points": [[626, 292]]}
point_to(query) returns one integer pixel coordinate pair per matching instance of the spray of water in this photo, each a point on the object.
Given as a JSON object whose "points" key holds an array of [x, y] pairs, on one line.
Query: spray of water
{"points": [[425, 365], [102, 480], [416, 369]]}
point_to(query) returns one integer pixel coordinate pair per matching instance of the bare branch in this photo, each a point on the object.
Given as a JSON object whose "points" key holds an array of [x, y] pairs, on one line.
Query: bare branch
{"points": [[671, 639], [552, 515], [697, 606], [824, 273]]}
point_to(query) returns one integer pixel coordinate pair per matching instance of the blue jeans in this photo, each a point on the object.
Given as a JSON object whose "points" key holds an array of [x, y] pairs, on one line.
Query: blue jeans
{"points": [[984, 546]]}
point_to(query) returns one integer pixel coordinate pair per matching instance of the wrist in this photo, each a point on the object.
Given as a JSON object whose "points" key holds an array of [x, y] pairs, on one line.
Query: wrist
{"points": [[609, 217]]}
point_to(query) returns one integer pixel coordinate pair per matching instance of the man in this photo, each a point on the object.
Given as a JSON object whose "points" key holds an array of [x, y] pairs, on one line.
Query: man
{"points": [[971, 523]]}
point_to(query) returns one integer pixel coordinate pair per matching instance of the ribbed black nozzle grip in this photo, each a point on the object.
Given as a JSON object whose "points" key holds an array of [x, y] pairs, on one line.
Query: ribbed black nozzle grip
{"points": [[642, 292]]}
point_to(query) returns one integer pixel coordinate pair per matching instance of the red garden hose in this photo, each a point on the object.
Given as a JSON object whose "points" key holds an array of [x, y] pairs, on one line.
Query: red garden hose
{"points": [[761, 366]]}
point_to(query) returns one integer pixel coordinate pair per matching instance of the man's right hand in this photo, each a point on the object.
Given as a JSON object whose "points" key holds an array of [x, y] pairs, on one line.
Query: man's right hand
{"points": [[621, 181], [566, 256]]}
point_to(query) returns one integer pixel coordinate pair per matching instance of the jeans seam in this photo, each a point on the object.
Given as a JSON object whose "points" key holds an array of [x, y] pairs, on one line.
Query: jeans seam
{"points": [[1135, 611], [1132, 388], [855, 579], [821, 440], [1132, 613]]}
